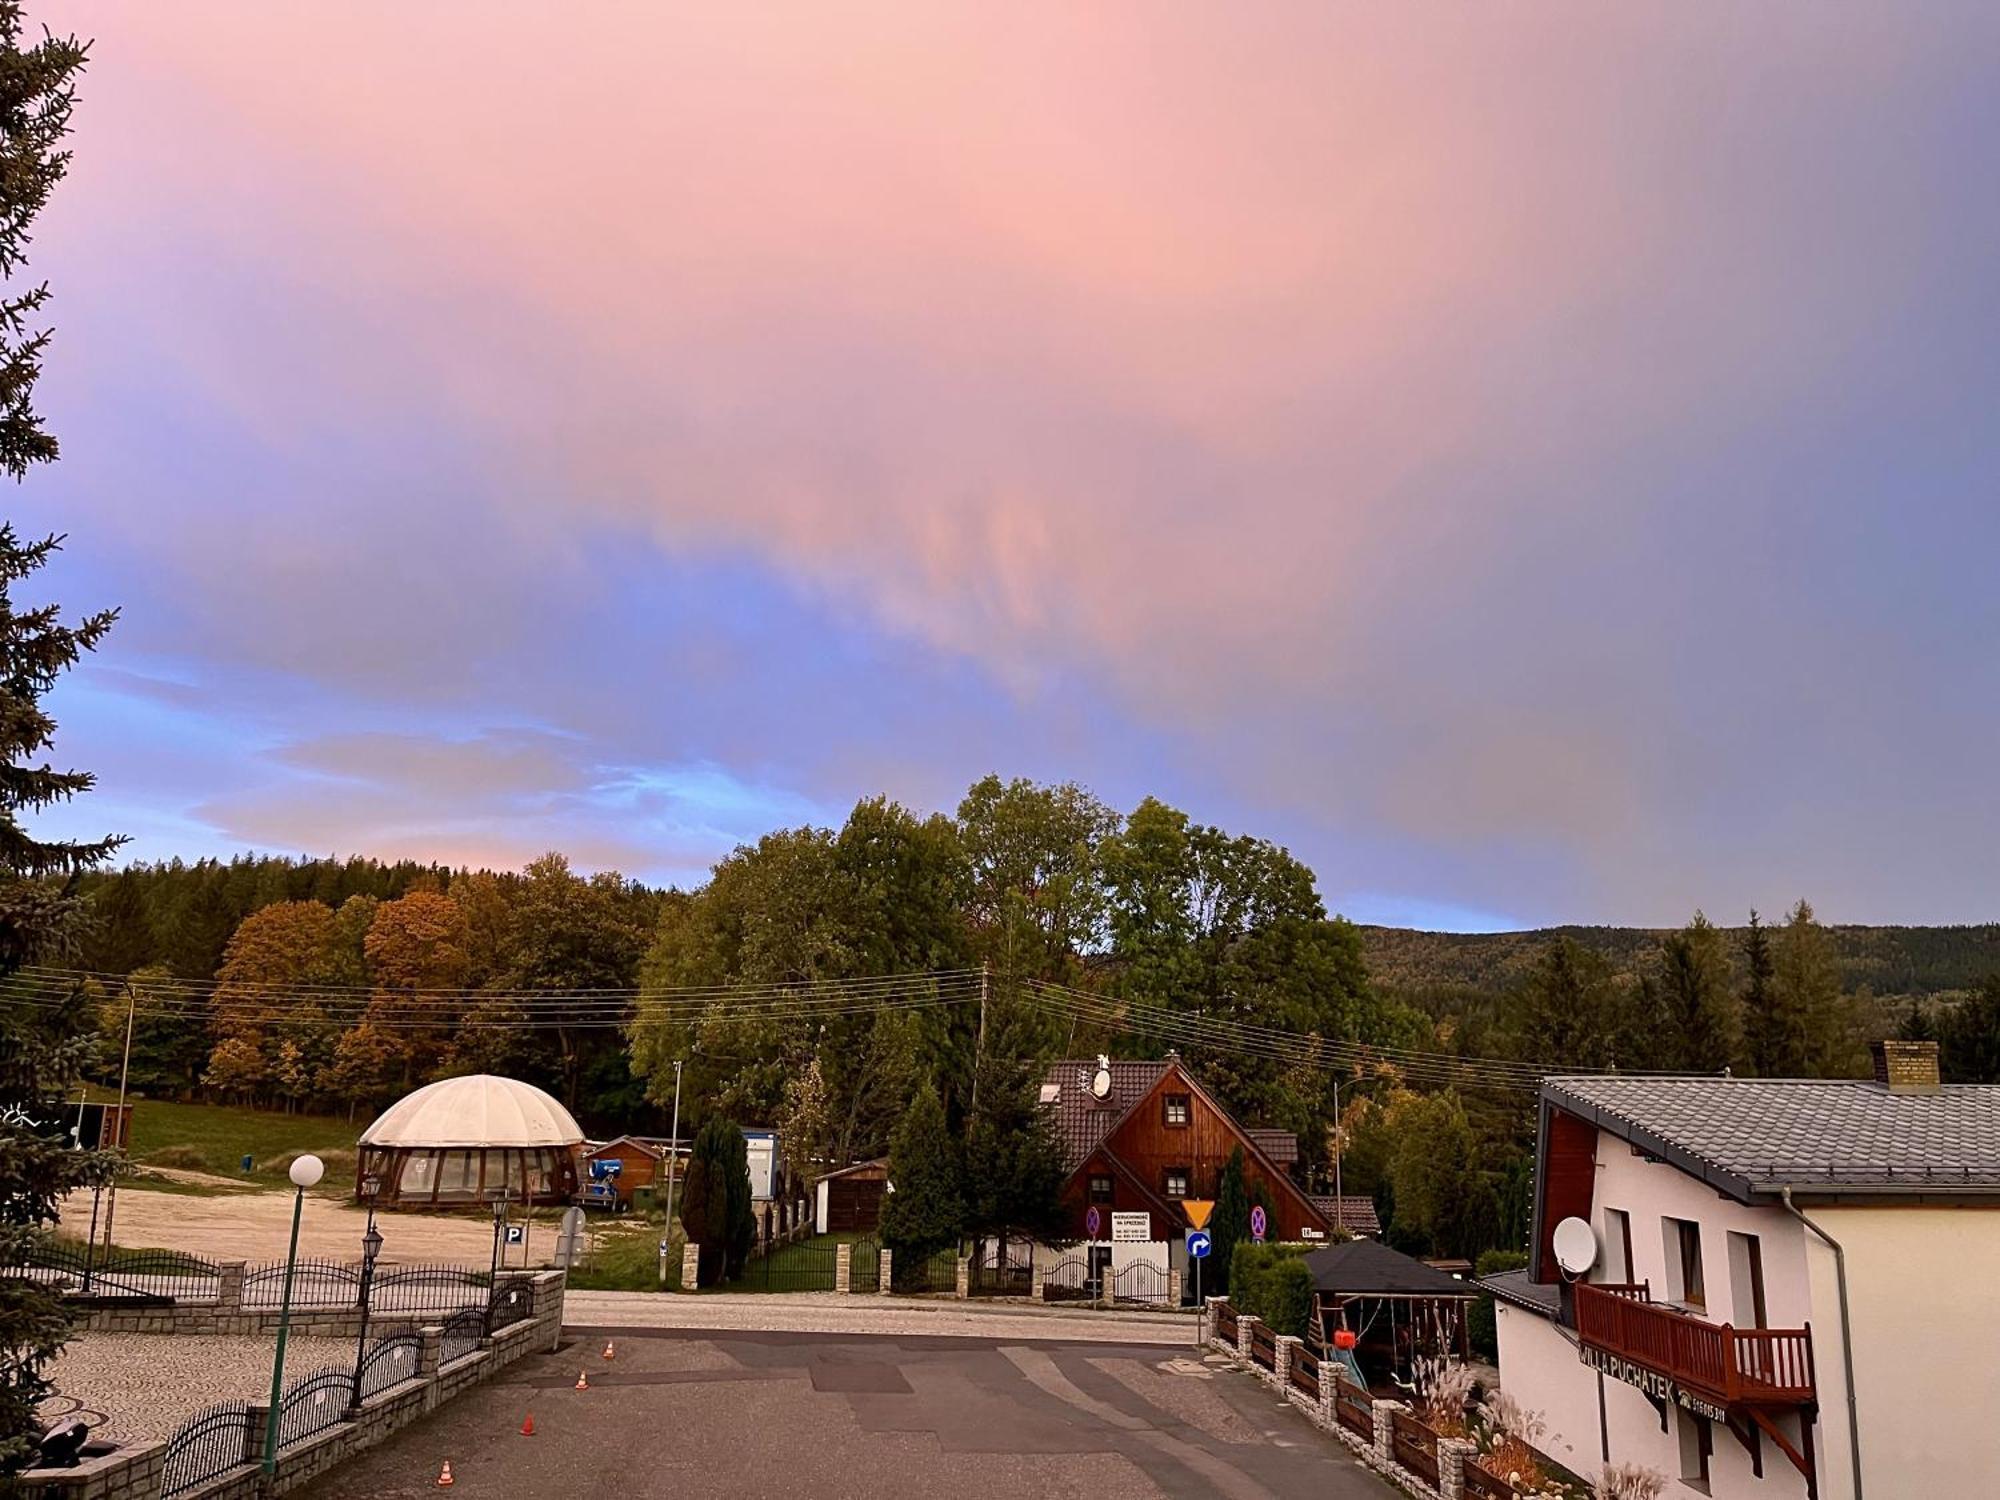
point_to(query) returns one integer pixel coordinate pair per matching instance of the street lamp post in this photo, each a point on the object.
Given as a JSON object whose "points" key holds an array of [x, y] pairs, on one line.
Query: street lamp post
{"points": [[371, 1246], [306, 1172], [499, 1227]]}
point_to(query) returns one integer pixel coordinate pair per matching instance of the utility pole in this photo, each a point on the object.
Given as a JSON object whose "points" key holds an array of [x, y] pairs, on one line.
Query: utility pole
{"points": [[119, 1132], [673, 1146], [979, 1045]]}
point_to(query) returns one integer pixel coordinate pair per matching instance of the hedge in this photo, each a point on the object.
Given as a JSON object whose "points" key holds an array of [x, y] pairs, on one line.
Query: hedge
{"points": [[1271, 1283]]}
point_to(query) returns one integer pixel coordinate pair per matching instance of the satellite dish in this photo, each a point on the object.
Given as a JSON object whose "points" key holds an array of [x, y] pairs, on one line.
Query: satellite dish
{"points": [[1575, 1246], [1100, 1083]]}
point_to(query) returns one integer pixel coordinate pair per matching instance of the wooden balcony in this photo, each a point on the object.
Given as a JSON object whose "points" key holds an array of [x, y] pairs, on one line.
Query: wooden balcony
{"points": [[1730, 1366]]}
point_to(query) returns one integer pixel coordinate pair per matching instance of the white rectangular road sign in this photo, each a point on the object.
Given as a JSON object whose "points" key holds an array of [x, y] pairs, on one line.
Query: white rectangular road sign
{"points": [[1131, 1228]]}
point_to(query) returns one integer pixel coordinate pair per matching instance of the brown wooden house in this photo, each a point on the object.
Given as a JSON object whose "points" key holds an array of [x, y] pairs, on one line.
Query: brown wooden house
{"points": [[639, 1165], [850, 1200], [1140, 1137]]}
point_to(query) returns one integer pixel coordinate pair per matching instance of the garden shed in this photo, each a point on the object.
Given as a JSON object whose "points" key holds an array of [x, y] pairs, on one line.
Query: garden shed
{"points": [[850, 1200], [462, 1140]]}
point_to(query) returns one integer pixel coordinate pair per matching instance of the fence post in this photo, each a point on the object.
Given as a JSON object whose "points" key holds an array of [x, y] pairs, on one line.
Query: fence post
{"points": [[430, 1348], [883, 1275], [1453, 1454], [1281, 1361], [843, 1268], [690, 1266], [229, 1289], [964, 1276], [1173, 1288], [1328, 1411], [1385, 1428], [253, 1440], [1245, 1323], [1209, 1320]]}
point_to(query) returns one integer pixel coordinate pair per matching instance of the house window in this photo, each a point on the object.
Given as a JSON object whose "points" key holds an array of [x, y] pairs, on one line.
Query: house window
{"points": [[1746, 1280], [1618, 1267], [1100, 1190], [1175, 1184], [1176, 1109], [1697, 1443], [1684, 1278]]}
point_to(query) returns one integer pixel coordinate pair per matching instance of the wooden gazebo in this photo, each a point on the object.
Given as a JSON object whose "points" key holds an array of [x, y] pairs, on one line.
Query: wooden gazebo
{"points": [[1398, 1308]]}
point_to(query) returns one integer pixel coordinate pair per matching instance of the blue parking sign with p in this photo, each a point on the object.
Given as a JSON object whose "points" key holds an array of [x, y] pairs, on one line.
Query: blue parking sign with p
{"points": [[1197, 1244]]}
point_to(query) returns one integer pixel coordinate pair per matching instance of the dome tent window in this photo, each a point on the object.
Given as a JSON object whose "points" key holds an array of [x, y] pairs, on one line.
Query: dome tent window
{"points": [[461, 1140]]}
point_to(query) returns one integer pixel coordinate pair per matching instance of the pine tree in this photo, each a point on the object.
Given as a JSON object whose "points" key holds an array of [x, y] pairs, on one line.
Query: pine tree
{"points": [[43, 1049], [1806, 994], [1774, 1038], [1695, 999], [924, 1211]]}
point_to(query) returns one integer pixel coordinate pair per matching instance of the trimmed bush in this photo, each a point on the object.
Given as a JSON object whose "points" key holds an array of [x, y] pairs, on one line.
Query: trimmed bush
{"points": [[1271, 1283], [1481, 1323]]}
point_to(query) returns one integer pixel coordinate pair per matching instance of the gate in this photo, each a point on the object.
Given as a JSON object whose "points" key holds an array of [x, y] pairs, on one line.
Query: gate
{"points": [[807, 1266], [1070, 1280], [864, 1266], [1005, 1270]]}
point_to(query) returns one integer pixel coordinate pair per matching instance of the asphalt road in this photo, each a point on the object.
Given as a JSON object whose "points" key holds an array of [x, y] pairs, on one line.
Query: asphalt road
{"points": [[686, 1413]]}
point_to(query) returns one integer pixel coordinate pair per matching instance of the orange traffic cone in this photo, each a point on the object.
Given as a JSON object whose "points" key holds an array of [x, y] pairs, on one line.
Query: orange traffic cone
{"points": [[528, 1427], [583, 1380], [444, 1476], [610, 1350]]}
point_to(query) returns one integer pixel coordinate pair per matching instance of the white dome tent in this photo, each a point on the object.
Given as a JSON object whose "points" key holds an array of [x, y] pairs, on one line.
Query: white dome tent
{"points": [[461, 1140]]}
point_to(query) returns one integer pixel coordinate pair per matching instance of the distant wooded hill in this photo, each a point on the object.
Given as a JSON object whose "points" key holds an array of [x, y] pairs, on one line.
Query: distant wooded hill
{"points": [[1889, 962]]}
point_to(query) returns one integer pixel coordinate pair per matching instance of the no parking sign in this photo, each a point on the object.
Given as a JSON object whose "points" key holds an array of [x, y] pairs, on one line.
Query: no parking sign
{"points": [[1259, 1222]]}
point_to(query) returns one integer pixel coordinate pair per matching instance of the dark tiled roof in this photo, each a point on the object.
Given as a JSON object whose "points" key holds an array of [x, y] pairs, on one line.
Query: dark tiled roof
{"points": [[1354, 1213], [1515, 1287], [1369, 1267], [1280, 1145], [1752, 1136], [1082, 1120]]}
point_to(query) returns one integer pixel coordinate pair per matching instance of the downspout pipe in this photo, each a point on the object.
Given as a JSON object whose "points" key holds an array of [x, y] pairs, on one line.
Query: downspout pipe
{"points": [[1846, 1333]]}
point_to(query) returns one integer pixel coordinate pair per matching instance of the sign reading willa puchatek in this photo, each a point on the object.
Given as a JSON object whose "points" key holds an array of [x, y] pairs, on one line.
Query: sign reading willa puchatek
{"points": [[1654, 1384]]}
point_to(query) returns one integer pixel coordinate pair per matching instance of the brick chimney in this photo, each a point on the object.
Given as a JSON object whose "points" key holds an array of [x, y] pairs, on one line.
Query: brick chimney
{"points": [[1907, 1067]]}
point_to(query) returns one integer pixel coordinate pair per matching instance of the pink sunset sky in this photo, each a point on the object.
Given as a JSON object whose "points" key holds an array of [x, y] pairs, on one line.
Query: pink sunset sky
{"points": [[1535, 461]]}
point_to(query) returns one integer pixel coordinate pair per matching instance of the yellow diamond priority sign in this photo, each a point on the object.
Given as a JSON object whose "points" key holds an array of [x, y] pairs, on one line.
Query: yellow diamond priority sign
{"points": [[1198, 1210]]}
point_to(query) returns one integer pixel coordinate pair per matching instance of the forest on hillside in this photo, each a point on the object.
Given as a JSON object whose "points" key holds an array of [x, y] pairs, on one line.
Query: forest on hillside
{"points": [[824, 977]]}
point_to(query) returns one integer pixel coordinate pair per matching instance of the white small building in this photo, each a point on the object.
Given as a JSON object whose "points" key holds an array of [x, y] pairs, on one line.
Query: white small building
{"points": [[1788, 1288]]}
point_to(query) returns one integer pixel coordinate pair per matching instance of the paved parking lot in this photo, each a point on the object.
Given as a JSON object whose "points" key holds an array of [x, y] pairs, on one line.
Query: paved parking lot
{"points": [[686, 1413]]}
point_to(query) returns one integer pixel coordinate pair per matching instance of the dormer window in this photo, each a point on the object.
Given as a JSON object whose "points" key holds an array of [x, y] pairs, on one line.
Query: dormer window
{"points": [[1175, 1109]]}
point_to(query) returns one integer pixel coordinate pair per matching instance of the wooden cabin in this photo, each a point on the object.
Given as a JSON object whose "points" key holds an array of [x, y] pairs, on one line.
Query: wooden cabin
{"points": [[849, 1201]]}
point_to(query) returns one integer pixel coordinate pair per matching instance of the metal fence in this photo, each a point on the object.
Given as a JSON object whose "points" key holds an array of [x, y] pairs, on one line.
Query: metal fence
{"points": [[462, 1333], [864, 1266], [429, 1288], [313, 1404], [807, 1266], [512, 1302], [1071, 1279], [930, 1273], [388, 1362], [1005, 1270], [315, 1283], [80, 1270], [208, 1443]]}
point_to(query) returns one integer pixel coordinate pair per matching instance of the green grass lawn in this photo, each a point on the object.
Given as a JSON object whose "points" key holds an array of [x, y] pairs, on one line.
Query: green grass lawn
{"points": [[215, 1138], [625, 1257]]}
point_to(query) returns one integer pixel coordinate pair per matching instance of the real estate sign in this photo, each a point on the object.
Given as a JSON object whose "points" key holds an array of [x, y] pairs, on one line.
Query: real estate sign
{"points": [[1131, 1229]]}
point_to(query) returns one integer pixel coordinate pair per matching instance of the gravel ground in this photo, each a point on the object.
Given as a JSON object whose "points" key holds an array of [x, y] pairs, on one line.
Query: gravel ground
{"points": [[148, 1384], [256, 1226], [829, 1312]]}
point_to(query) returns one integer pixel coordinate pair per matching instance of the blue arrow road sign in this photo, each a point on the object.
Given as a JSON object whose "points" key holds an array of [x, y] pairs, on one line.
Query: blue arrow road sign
{"points": [[1197, 1244]]}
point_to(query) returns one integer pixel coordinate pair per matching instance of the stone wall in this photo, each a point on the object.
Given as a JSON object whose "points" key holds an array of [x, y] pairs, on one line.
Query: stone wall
{"points": [[136, 1473]]}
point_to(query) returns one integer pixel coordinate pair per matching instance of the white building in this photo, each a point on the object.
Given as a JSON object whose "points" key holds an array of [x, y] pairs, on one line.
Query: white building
{"points": [[1792, 1286]]}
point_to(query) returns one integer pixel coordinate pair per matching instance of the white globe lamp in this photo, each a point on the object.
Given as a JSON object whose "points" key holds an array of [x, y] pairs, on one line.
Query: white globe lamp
{"points": [[307, 1171]]}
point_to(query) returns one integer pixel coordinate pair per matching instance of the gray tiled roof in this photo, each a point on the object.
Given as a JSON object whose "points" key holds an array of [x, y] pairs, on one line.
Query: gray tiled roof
{"points": [[1518, 1288], [1082, 1120], [1280, 1145], [1755, 1136], [1355, 1213]]}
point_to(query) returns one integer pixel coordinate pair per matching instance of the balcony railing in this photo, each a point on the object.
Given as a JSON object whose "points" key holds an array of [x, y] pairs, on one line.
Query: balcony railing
{"points": [[1767, 1366]]}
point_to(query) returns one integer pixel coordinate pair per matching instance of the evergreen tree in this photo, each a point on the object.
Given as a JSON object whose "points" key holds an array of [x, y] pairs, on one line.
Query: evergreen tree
{"points": [[1806, 998], [1969, 1037], [1228, 1221], [43, 1049], [1774, 1037], [924, 1211], [1013, 1161], [1697, 1006], [714, 1205], [1566, 1014]]}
